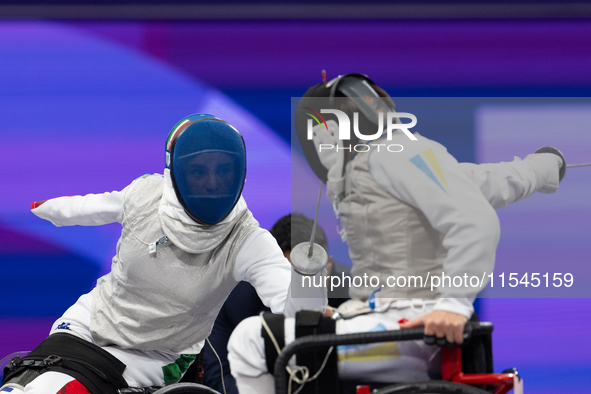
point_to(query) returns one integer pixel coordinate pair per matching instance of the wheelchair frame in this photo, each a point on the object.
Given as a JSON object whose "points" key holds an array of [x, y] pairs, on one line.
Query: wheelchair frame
{"points": [[451, 357], [451, 361]]}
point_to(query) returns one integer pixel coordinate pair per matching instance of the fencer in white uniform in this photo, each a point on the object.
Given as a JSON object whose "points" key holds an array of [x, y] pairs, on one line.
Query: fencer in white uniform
{"points": [[187, 239], [414, 212]]}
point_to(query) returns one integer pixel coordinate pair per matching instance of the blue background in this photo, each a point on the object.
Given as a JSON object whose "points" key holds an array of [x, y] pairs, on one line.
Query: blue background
{"points": [[85, 107]]}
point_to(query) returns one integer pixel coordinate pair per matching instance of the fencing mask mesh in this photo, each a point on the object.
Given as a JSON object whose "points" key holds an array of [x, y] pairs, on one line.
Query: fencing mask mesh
{"points": [[207, 161]]}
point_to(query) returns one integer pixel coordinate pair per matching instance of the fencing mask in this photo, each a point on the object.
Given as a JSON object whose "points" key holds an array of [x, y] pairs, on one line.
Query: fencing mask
{"points": [[207, 161], [349, 93]]}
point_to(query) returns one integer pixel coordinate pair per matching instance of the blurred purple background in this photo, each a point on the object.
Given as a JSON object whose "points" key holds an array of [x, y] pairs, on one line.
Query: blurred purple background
{"points": [[86, 106]]}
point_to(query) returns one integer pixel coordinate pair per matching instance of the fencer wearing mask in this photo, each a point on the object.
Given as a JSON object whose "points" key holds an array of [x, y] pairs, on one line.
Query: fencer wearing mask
{"points": [[408, 212], [187, 239]]}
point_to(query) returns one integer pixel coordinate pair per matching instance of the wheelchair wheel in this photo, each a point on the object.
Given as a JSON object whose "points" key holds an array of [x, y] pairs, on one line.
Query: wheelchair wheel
{"points": [[186, 388], [435, 387]]}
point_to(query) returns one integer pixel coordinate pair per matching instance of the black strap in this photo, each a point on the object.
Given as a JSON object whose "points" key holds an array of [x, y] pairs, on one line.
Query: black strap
{"points": [[195, 372], [312, 323], [98, 370], [477, 355], [276, 324], [307, 322]]}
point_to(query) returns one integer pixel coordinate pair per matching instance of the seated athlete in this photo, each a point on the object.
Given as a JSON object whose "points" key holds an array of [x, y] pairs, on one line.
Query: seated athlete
{"points": [[187, 239], [413, 212]]}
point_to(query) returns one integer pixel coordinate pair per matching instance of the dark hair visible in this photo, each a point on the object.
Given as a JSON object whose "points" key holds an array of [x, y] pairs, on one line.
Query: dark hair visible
{"points": [[296, 228]]}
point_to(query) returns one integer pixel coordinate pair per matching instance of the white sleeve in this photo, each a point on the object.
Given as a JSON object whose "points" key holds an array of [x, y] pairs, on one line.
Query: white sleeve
{"points": [[261, 263], [432, 181], [507, 182], [88, 210]]}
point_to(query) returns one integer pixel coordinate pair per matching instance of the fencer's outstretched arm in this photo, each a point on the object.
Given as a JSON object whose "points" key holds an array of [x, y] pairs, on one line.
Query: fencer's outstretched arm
{"points": [[87, 210], [261, 263], [507, 182]]}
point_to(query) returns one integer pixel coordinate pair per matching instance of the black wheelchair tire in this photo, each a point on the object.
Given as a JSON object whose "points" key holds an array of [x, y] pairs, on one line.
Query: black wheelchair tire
{"points": [[186, 388], [435, 387]]}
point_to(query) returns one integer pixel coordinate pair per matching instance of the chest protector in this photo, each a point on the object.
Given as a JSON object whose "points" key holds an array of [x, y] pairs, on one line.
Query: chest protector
{"points": [[166, 300], [387, 238]]}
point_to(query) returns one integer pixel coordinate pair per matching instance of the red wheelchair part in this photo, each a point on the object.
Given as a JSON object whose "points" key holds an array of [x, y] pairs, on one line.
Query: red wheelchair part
{"points": [[451, 370]]}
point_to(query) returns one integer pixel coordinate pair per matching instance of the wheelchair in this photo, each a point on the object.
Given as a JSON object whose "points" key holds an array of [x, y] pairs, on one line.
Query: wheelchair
{"points": [[464, 370], [478, 345], [479, 379]]}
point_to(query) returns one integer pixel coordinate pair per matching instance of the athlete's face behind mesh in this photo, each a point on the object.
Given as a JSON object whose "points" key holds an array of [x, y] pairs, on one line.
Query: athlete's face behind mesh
{"points": [[211, 174], [208, 169]]}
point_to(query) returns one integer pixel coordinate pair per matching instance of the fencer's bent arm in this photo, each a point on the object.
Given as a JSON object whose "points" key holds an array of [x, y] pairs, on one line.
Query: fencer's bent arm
{"points": [[507, 182], [88, 210], [452, 204], [261, 263]]}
